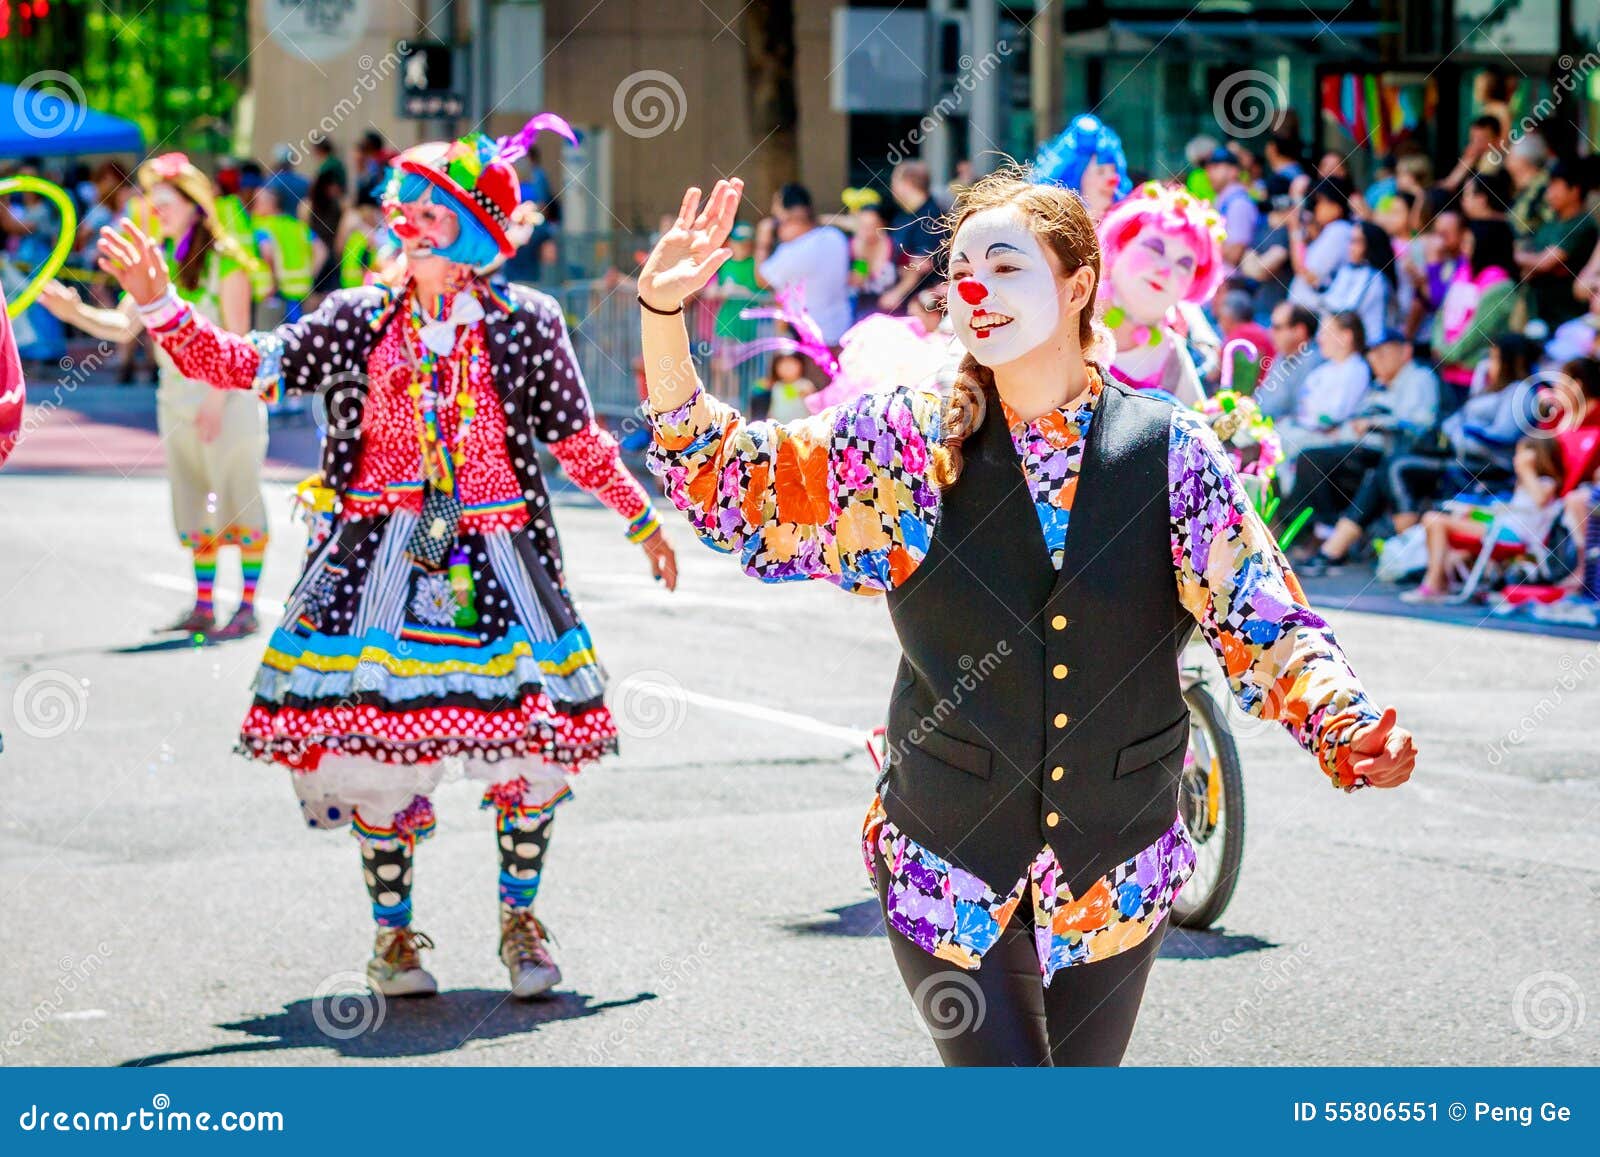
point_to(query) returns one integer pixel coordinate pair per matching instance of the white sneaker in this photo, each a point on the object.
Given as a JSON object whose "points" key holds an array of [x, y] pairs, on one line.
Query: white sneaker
{"points": [[525, 953], [396, 968]]}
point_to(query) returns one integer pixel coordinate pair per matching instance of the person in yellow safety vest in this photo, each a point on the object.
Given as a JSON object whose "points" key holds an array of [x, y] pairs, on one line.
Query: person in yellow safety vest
{"points": [[287, 248], [235, 220], [358, 249]]}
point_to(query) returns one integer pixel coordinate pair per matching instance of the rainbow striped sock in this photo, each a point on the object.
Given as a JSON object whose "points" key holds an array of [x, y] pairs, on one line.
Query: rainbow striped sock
{"points": [[205, 577], [250, 556]]}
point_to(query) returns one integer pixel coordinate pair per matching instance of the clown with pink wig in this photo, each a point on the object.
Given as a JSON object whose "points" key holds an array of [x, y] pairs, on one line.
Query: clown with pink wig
{"points": [[431, 630], [1161, 259]]}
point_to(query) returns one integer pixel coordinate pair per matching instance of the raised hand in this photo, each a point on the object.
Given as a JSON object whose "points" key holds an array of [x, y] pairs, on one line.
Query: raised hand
{"points": [[1385, 755], [135, 260], [690, 253]]}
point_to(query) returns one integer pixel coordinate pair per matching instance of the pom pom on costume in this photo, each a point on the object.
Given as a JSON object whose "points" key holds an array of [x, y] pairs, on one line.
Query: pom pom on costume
{"points": [[1086, 139]]}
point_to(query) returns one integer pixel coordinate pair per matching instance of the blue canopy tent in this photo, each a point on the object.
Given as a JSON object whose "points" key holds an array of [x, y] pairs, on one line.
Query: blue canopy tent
{"points": [[40, 122]]}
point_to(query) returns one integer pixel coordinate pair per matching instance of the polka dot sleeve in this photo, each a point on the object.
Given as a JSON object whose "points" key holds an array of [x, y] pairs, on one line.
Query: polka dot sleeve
{"points": [[300, 357], [556, 391]]}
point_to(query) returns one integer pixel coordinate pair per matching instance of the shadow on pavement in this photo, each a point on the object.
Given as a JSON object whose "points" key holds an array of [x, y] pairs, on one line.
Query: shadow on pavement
{"points": [[361, 1024], [863, 919], [1189, 944]]}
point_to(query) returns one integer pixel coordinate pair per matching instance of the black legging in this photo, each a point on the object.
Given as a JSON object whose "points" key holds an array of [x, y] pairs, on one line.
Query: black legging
{"points": [[1002, 1014], [1330, 480]]}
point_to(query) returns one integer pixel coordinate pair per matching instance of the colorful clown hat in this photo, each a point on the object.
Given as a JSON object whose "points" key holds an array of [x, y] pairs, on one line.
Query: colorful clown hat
{"points": [[479, 175]]}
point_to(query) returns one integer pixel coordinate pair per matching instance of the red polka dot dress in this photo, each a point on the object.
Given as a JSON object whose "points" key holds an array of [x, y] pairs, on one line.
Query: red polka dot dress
{"points": [[429, 623]]}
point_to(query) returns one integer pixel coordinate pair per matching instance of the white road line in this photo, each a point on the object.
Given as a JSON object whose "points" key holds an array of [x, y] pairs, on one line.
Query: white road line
{"points": [[764, 714]]}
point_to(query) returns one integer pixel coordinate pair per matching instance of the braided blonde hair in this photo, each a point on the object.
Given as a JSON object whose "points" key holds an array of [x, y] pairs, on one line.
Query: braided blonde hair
{"points": [[1063, 225]]}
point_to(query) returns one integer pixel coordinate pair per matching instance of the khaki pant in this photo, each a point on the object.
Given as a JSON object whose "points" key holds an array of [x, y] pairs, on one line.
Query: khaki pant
{"points": [[216, 485]]}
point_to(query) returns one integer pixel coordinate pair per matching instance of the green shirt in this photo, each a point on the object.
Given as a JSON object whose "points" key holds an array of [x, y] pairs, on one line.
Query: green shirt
{"points": [[1551, 293], [730, 326]]}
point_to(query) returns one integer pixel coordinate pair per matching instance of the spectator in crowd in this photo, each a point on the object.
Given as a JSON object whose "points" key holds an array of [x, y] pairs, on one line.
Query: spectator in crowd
{"points": [[1266, 264], [373, 155], [736, 288], [1413, 173], [1528, 167], [1332, 393], [289, 249], [1478, 438], [1236, 319], [1198, 152], [1240, 217], [873, 270], [1294, 332], [1431, 266], [286, 184], [915, 233], [1283, 158], [1394, 217], [1475, 306], [1400, 414], [36, 223], [1559, 248], [1319, 240], [789, 387], [1580, 337], [1481, 152], [1365, 283], [794, 250], [1334, 166], [328, 162], [327, 211], [1525, 519], [1486, 196]]}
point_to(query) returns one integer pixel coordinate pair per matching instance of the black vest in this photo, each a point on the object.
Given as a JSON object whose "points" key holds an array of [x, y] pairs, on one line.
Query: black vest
{"points": [[1034, 707]]}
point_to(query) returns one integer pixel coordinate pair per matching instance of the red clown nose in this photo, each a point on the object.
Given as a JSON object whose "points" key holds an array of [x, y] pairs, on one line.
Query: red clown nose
{"points": [[971, 290]]}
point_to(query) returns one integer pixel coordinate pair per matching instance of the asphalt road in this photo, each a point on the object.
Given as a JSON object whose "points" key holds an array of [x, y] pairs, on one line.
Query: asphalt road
{"points": [[160, 901]]}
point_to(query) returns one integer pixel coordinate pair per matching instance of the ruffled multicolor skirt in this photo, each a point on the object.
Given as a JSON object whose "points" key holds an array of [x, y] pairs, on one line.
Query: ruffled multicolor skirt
{"points": [[369, 677]]}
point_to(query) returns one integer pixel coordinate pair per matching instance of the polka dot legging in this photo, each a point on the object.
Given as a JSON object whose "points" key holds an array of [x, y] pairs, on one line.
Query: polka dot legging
{"points": [[386, 866]]}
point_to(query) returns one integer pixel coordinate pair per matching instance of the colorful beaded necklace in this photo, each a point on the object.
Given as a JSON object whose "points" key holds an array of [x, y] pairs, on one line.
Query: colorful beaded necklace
{"points": [[440, 460]]}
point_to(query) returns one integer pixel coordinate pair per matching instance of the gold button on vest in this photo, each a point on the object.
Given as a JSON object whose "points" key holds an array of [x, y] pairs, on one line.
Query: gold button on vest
{"points": [[1060, 671], [1052, 820], [1061, 720], [1057, 772], [1059, 622]]}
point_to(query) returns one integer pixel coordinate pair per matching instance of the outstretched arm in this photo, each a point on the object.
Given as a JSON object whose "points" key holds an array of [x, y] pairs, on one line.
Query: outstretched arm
{"points": [[842, 496], [1280, 656], [298, 357]]}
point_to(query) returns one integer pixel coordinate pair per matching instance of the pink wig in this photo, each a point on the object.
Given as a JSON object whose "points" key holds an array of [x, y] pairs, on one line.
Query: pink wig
{"points": [[1175, 212]]}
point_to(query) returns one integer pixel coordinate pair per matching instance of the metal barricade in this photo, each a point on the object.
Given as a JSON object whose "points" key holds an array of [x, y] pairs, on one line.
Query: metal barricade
{"points": [[603, 320]]}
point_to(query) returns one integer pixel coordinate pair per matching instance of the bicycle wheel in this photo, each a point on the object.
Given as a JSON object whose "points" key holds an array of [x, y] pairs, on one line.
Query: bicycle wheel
{"points": [[1211, 802]]}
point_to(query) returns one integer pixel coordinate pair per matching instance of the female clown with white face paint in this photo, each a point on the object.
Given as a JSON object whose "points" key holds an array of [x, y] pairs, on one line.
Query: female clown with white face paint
{"points": [[1025, 845]]}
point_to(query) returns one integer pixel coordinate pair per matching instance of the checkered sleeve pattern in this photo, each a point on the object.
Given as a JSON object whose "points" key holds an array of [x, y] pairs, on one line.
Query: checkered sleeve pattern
{"points": [[842, 496], [1281, 658]]}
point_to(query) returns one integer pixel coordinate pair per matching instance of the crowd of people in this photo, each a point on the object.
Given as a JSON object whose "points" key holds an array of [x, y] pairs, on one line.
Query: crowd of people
{"points": [[305, 225], [1426, 345], [1414, 337]]}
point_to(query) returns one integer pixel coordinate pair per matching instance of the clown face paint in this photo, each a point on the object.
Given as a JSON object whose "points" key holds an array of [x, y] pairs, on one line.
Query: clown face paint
{"points": [[1003, 301], [1151, 275], [423, 227]]}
